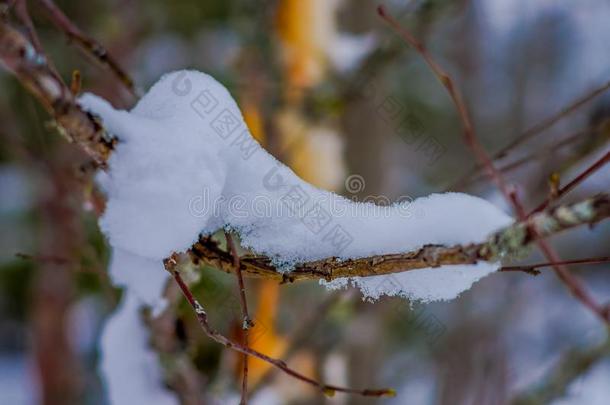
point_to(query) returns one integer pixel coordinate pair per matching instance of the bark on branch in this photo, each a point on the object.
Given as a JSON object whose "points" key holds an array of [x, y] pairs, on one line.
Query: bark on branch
{"points": [[509, 242]]}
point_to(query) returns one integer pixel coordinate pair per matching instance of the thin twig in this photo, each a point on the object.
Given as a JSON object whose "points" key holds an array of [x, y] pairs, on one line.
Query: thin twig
{"points": [[536, 130], [571, 281], [328, 389], [18, 55], [456, 96], [246, 322], [568, 140], [89, 45], [533, 268], [577, 180], [299, 336]]}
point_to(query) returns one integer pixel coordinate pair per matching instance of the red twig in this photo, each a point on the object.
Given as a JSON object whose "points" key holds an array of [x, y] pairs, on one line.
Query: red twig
{"points": [[572, 282], [577, 180], [246, 322], [550, 121], [456, 96], [533, 268], [568, 140], [538, 129], [202, 317]]}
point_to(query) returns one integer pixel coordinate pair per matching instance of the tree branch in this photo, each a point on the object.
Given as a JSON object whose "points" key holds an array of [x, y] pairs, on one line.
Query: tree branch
{"points": [[246, 322], [88, 45], [536, 130], [508, 242], [19, 56], [533, 268], [171, 265], [575, 286], [601, 162]]}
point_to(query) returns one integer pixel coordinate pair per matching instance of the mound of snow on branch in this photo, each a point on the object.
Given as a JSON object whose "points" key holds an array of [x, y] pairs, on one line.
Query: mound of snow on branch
{"points": [[186, 165]]}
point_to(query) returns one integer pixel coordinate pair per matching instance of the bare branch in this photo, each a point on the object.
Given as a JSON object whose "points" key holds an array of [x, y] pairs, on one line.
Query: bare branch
{"points": [[456, 96], [508, 242], [537, 130], [572, 282], [601, 162], [31, 68], [533, 268], [171, 264], [246, 322], [88, 45], [568, 140]]}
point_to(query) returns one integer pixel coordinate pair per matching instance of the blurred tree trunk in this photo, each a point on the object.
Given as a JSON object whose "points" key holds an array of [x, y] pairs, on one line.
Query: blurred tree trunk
{"points": [[365, 132], [53, 289]]}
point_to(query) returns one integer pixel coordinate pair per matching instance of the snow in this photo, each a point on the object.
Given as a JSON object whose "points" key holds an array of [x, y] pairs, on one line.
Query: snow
{"points": [[144, 277], [129, 367], [186, 165]]}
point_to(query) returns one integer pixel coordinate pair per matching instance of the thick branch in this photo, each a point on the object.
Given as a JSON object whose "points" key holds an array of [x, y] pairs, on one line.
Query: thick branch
{"points": [[509, 242]]}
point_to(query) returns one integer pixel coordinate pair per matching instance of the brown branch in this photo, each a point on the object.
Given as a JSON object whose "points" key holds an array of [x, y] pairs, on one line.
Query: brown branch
{"points": [[533, 268], [577, 180], [171, 264], [568, 140], [31, 68], [456, 96], [246, 322], [572, 282], [508, 242], [537, 129], [88, 45], [299, 337]]}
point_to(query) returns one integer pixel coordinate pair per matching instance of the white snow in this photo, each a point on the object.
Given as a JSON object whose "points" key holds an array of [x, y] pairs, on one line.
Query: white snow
{"points": [[144, 277], [187, 165], [129, 367]]}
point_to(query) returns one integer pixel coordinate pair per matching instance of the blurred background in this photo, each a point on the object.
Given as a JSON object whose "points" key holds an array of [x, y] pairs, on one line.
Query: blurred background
{"points": [[331, 91]]}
